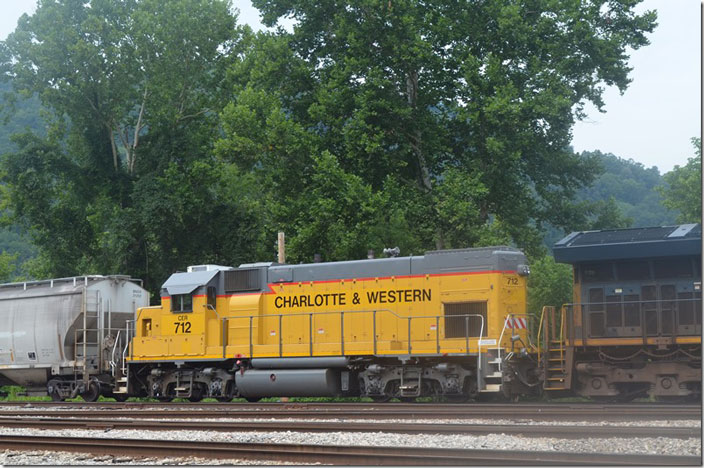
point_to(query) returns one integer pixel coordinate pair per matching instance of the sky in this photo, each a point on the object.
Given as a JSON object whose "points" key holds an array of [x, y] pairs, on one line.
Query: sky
{"points": [[651, 123]]}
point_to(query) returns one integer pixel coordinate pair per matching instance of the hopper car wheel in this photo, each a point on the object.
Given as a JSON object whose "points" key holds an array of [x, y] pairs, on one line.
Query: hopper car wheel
{"points": [[165, 399], [253, 399], [223, 399], [55, 396], [120, 397], [92, 394]]}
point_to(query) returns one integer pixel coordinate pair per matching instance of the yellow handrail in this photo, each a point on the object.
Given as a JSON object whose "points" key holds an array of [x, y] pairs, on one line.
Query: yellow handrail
{"points": [[540, 327]]}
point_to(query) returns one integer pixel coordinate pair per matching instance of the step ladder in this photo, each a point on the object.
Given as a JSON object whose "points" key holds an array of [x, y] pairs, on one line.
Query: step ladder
{"points": [[120, 386], [118, 365], [87, 342], [492, 373], [558, 358], [410, 385]]}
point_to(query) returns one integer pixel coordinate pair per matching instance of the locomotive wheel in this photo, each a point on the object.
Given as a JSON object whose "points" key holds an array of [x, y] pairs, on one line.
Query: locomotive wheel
{"points": [[92, 394], [407, 399], [120, 397], [196, 394], [228, 394]]}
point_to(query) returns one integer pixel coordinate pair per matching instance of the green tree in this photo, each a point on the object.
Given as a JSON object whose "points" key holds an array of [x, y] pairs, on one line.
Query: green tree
{"points": [[683, 192], [549, 284], [7, 266], [467, 107], [134, 90]]}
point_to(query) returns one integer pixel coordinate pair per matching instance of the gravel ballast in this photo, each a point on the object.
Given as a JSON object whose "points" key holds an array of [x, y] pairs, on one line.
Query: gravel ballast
{"points": [[626, 445]]}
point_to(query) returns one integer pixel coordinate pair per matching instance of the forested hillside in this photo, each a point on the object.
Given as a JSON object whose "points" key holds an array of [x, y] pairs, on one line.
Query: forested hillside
{"points": [[178, 137], [633, 187], [19, 114]]}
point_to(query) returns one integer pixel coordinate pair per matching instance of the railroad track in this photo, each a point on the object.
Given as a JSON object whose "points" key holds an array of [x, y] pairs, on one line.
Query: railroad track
{"points": [[354, 405], [332, 454], [584, 412], [525, 430]]}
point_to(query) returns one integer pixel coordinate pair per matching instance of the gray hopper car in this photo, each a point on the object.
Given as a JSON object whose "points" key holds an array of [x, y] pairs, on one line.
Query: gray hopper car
{"points": [[66, 336]]}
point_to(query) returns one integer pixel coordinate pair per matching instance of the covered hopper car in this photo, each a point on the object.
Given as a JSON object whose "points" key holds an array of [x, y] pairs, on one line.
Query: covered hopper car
{"points": [[64, 336]]}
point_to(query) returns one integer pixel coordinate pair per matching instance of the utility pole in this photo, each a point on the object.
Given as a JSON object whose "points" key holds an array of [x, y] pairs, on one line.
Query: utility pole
{"points": [[282, 248]]}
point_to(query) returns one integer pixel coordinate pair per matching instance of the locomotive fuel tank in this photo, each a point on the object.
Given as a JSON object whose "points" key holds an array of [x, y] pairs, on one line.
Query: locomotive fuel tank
{"points": [[257, 383]]}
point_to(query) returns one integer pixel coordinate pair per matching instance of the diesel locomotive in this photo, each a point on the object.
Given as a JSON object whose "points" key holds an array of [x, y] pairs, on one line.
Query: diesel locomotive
{"points": [[436, 324], [634, 327]]}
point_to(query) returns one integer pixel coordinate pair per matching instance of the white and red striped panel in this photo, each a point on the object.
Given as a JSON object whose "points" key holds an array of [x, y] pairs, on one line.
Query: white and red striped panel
{"points": [[516, 322]]}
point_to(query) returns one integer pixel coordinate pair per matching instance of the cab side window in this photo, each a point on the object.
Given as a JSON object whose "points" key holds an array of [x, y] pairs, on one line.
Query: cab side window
{"points": [[181, 303]]}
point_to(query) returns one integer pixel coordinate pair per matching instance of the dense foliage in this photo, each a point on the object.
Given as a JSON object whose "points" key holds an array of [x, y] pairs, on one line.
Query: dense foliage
{"points": [[683, 189], [549, 284], [176, 137], [124, 181], [455, 118]]}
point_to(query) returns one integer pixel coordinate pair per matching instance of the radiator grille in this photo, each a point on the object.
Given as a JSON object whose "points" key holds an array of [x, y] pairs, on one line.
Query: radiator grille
{"points": [[242, 280], [456, 320]]}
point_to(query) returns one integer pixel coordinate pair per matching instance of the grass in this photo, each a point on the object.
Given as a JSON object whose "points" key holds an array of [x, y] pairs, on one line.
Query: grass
{"points": [[15, 393]]}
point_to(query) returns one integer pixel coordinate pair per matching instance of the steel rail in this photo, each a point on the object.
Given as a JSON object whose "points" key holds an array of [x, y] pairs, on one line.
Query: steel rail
{"points": [[308, 404], [351, 405], [334, 454], [525, 430], [450, 407], [408, 413]]}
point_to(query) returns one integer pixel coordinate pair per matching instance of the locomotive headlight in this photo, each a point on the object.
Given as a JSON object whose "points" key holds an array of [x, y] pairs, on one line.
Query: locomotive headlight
{"points": [[523, 270]]}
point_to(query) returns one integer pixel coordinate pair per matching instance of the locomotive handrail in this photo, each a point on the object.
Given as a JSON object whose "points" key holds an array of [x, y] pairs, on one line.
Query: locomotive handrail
{"points": [[501, 336], [113, 363], [541, 342], [658, 306], [341, 313], [129, 338]]}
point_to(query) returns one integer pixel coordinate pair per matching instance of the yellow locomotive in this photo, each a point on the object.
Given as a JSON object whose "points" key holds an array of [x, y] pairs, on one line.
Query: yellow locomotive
{"points": [[439, 324]]}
